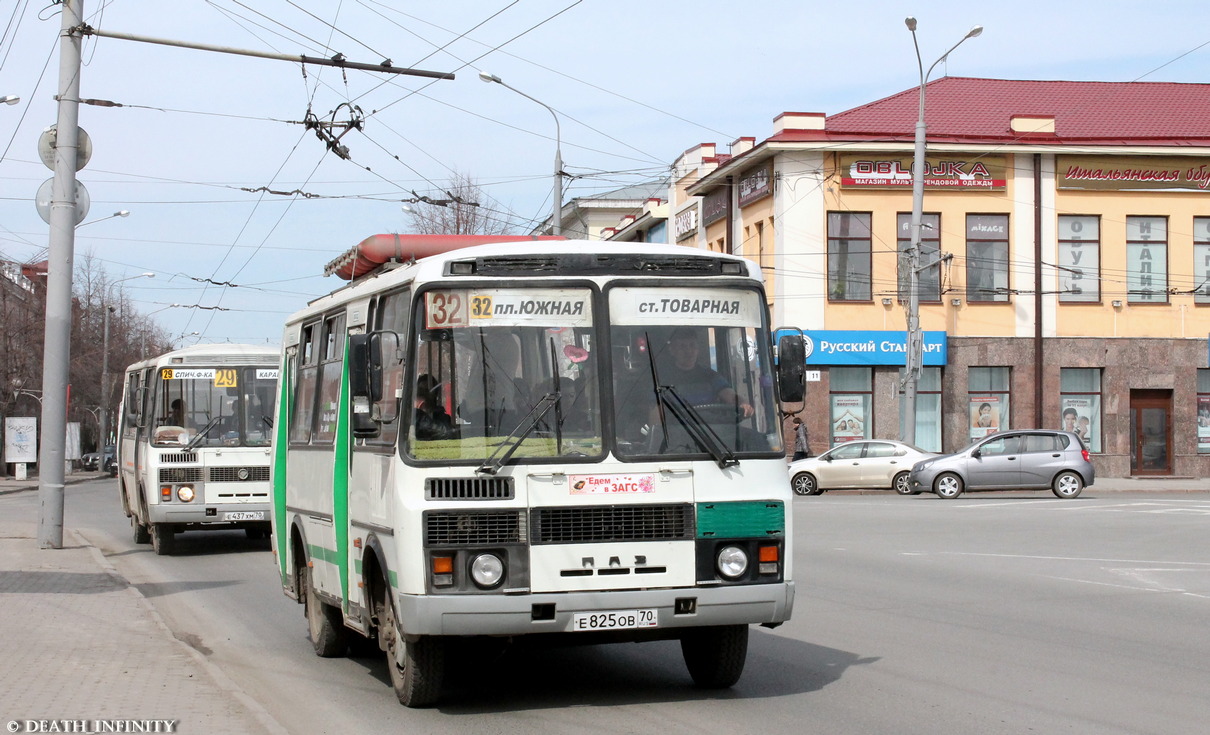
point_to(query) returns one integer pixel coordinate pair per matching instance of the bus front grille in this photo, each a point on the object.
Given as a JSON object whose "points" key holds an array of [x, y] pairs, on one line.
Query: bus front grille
{"points": [[239, 474], [178, 457], [603, 524], [468, 488], [473, 528], [180, 474]]}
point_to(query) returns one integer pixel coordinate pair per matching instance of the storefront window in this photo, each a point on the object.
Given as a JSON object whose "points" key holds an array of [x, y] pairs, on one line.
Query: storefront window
{"points": [[988, 400], [986, 257], [928, 409], [852, 390], [850, 247], [1080, 403], [1079, 259], [1201, 260], [1203, 411], [930, 245], [1147, 260]]}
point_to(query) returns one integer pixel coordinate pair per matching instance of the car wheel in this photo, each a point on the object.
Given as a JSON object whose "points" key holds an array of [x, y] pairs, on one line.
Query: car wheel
{"points": [[804, 484], [948, 486], [1068, 485], [901, 484]]}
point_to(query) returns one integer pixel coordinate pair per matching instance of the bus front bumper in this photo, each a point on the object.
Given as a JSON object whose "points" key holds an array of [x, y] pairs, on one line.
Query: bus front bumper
{"points": [[522, 614], [210, 514]]}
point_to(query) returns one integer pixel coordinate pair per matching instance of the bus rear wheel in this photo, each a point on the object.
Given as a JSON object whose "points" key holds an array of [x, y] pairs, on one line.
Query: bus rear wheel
{"points": [[416, 667], [329, 637], [715, 656]]}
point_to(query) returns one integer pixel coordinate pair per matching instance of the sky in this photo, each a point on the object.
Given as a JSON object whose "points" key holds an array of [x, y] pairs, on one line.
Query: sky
{"points": [[236, 206]]}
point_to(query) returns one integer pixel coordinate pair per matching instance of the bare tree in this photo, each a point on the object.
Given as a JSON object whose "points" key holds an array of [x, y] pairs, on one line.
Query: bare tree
{"points": [[461, 209]]}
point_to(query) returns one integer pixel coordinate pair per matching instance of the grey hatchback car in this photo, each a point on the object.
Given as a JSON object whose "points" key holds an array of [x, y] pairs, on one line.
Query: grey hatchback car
{"points": [[1034, 459]]}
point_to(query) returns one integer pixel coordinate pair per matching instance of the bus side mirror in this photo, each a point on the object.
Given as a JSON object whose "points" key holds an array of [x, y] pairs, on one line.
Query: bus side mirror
{"points": [[791, 367], [365, 383]]}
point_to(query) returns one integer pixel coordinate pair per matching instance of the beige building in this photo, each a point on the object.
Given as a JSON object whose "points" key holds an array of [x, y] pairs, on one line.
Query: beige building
{"points": [[1066, 234]]}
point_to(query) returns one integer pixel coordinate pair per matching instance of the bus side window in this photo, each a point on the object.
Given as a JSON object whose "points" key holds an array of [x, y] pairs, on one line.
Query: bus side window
{"points": [[331, 366], [304, 386], [390, 315]]}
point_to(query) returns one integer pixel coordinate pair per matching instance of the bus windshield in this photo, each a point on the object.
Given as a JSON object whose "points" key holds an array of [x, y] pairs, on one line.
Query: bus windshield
{"points": [[692, 373], [504, 372], [213, 407]]}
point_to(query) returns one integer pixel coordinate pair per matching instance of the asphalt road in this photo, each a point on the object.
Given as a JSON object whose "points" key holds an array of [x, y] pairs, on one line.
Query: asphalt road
{"points": [[995, 613]]}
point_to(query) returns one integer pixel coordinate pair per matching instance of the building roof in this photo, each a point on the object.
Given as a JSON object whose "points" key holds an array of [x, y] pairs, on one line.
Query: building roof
{"points": [[976, 109]]}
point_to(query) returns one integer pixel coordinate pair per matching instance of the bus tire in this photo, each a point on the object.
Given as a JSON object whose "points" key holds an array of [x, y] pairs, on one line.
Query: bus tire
{"points": [[163, 538], [715, 656], [329, 637], [417, 680]]}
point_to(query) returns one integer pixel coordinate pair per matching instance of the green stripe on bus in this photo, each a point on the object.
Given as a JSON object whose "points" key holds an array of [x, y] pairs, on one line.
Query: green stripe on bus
{"points": [[340, 479], [321, 553], [282, 440], [743, 519]]}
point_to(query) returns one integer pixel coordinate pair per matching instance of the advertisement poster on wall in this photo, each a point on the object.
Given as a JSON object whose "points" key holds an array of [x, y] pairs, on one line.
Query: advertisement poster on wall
{"points": [[1203, 423], [848, 419], [21, 439], [1082, 415], [985, 415]]}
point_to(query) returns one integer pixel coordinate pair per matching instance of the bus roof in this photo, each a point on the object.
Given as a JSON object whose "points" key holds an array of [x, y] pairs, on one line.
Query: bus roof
{"points": [[207, 354], [433, 267]]}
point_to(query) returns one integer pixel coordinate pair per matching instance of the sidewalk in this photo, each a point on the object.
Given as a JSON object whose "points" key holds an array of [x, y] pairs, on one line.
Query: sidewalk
{"points": [[80, 645]]}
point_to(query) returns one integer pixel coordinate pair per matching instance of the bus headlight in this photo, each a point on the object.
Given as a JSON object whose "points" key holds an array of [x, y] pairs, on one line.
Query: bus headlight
{"points": [[185, 493], [487, 570], [732, 562]]}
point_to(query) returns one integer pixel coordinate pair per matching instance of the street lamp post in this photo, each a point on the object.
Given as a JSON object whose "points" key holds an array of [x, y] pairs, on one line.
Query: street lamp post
{"points": [[556, 219], [915, 337], [106, 308]]}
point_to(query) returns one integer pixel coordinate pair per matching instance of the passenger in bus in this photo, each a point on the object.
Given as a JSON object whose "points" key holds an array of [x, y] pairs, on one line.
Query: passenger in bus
{"points": [[432, 422], [694, 381]]}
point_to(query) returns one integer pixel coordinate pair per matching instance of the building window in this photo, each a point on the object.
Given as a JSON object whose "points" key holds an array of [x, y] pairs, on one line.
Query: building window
{"points": [[988, 400], [1147, 260], [850, 247], [1080, 402], [1203, 411], [852, 391], [1201, 260], [928, 409], [986, 257], [930, 251], [1079, 259]]}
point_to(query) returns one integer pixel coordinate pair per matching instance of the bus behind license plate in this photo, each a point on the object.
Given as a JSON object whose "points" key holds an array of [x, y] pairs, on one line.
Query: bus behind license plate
{"points": [[616, 620], [244, 515]]}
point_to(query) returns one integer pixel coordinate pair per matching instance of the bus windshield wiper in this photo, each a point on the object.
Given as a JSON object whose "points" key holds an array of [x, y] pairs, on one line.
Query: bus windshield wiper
{"points": [[698, 428], [202, 434], [702, 433], [493, 463]]}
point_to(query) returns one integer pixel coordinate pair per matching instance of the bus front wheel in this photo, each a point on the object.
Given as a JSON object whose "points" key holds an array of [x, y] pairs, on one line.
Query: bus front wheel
{"points": [[416, 667], [139, 530], [715, 656], [163, 538]]}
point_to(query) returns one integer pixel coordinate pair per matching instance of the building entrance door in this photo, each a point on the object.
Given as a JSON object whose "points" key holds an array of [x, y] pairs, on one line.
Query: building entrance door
{"points": [[1151, 432]]}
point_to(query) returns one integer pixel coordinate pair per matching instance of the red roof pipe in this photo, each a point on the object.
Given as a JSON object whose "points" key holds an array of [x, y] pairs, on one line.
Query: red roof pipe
{"points": [[376, 250]]}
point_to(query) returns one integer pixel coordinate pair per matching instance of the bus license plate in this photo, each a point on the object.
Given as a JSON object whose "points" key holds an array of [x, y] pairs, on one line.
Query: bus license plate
{"points": [[614, 620], [244, 515]]}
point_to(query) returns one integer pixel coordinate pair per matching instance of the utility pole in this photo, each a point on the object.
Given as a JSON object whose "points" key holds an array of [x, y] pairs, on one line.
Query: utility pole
{"points": [[60, 259], [915, 337]]}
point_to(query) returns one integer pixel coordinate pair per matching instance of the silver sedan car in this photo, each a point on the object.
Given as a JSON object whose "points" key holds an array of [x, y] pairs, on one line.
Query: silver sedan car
{"points": [[872, 463], [1035, 459]]}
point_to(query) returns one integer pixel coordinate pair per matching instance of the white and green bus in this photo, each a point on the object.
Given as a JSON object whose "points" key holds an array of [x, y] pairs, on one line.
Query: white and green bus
{"points": [[504, 437], [195, 437]]}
